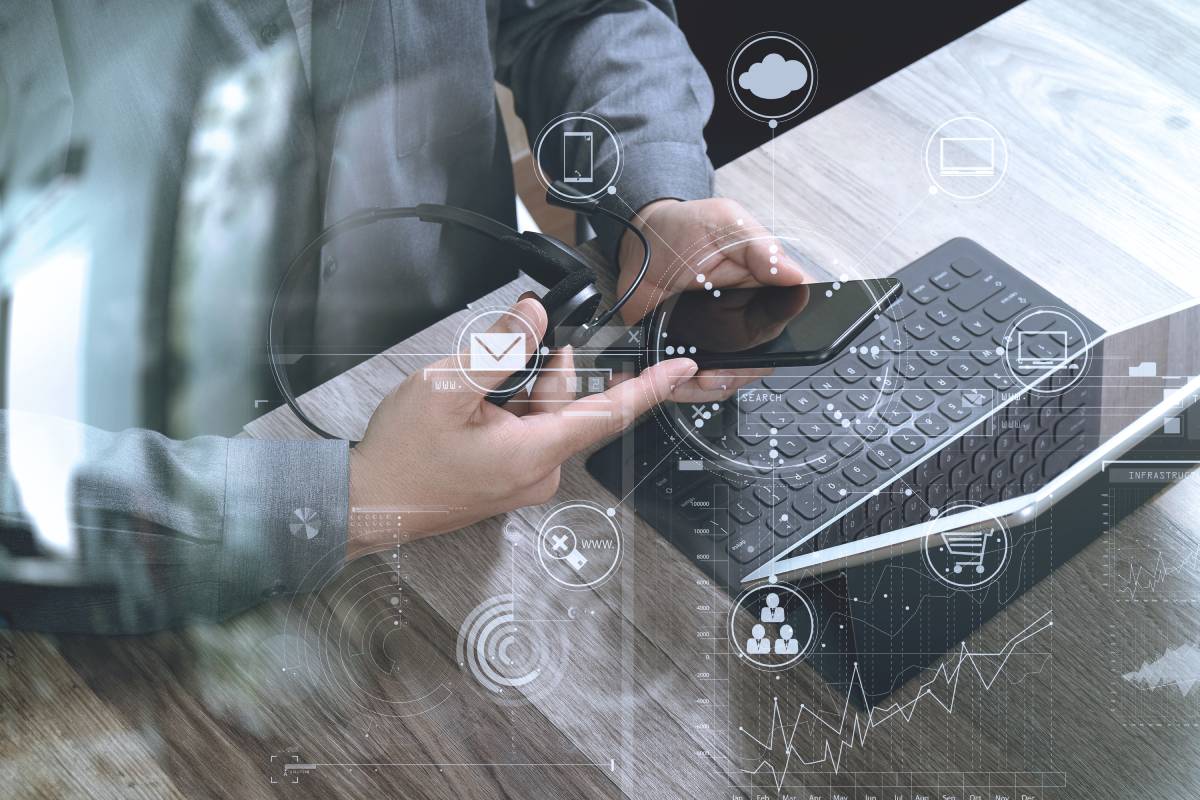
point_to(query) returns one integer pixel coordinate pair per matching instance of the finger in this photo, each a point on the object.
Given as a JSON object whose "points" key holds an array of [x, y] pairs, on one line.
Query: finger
{"points": [[766, 262], [727, 379], [555, 386], [526, 319], [691, 392], [594, 418]]}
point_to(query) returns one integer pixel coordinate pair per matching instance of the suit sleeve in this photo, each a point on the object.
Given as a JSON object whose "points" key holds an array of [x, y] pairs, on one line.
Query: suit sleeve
{"points": [[131, 532], [628, 62]]}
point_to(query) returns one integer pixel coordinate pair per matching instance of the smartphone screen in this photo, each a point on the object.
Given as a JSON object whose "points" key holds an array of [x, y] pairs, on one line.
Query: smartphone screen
{"points": [[770, 326]]}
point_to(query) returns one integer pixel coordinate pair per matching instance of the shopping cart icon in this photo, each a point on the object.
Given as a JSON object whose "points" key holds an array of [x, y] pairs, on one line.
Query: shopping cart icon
{"points": [[967, 547]]}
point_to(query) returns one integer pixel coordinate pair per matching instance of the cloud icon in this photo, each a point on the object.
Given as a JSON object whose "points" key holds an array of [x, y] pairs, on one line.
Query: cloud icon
{"points": [[774, 77]]}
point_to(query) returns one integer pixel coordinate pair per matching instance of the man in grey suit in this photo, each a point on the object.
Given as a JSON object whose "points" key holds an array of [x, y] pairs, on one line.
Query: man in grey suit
{"points": [[392, 104]]}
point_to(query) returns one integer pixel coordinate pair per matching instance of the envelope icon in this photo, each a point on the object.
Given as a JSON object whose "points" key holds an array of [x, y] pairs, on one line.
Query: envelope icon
{"points": [[498, 352]]}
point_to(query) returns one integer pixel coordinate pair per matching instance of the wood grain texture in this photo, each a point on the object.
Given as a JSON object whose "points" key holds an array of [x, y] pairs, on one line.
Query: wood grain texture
{"points": [[1099, 103]]}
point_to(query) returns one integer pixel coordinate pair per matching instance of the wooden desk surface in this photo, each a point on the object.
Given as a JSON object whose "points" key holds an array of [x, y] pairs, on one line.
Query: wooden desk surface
{"points": [[1100, 105]]}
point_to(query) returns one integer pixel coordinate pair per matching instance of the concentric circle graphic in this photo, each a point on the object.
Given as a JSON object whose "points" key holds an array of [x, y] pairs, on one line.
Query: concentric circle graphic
{"points": [[966, 157], [772, 626], [772, 76], [1046, 340], [513, 658], [711, 432], [368, 642], [577, 157], [579, 544], [969, 558], [483, 355]]}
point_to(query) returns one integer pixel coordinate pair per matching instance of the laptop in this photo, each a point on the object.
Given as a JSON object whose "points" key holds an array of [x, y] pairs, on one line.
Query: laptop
{"points": [[977, 388]]}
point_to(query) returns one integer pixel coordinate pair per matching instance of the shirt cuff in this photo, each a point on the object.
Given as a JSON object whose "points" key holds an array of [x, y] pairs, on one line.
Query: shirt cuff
{"points": [[286, 519], [652, 171]]}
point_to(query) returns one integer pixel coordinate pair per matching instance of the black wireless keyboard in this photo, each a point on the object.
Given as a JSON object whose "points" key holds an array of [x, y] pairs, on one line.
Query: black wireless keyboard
{"points": [[934, 364]]}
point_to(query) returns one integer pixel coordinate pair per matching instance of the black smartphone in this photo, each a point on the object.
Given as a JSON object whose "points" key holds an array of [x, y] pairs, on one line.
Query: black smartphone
{"points": [[769, 326]]}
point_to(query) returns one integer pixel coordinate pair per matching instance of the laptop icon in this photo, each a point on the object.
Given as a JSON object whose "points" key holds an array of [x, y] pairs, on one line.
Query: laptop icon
{"points": [[967, 156], [1041, 348]]}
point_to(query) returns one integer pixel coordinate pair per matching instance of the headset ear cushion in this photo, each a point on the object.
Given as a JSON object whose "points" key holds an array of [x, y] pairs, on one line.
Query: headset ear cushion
{"points": [[566, 289]]}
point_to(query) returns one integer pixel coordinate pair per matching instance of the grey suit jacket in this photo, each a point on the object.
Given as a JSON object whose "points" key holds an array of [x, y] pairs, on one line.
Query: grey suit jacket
{"points": [[397, 107]]}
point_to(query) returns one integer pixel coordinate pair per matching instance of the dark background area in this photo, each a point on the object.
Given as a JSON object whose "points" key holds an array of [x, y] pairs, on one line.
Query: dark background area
{"points": [[855, 44]]}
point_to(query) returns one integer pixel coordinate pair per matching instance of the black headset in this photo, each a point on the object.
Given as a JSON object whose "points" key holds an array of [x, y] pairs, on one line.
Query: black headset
{"points": [[571, 303]]}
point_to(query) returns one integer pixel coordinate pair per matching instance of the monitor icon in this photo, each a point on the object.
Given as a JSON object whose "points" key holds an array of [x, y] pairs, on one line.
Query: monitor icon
{"points": [[966, 156], [1041, 348]]}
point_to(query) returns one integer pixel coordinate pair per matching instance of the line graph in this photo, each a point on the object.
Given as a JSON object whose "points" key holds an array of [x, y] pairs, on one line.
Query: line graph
{"points": [[1178, 667], [851, 728], [1136, 579]]}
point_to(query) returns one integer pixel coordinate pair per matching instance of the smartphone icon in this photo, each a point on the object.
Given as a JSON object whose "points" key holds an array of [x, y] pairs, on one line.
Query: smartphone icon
{"points": [[583, 141]]}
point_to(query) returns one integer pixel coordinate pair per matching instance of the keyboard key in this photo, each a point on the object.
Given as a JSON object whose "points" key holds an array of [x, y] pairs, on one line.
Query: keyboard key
{"points": [[825, 387], [822, 463], [972, 293], [888, 522], [963, 367], [861, 399], [998, 475], [885, 383], [873, 359], [941, 315], [832, 489], [801, 402], [768, 496], [782, 383], [945, 280], [854, 524], [748, 401], [919, 329], [752, 438], [883, 456], [870, 430], [933, 357], [845, 445], [809, 506], [917, 399], [941, 384], [1001, 383], [784, 525], [697, 503], [931, 425], [1068, 426], [795, 479], [849, 371], [976, 326], [749, 544], [961, 475], [985, 355], [1007, 307], [859, 474], [923, 293], [953, 411], [744, 511], [954, 340], [937, 491], [791, 446], [1021, 460], [895, 416], [1031, 479], [900, 309], [967, 267], [910, 368], [814, 431], [777, 419], [908, 442]]}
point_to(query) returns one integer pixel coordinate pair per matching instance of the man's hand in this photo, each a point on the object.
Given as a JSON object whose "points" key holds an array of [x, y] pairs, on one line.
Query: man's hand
{"points": [[692, 230], [465, 459]]}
